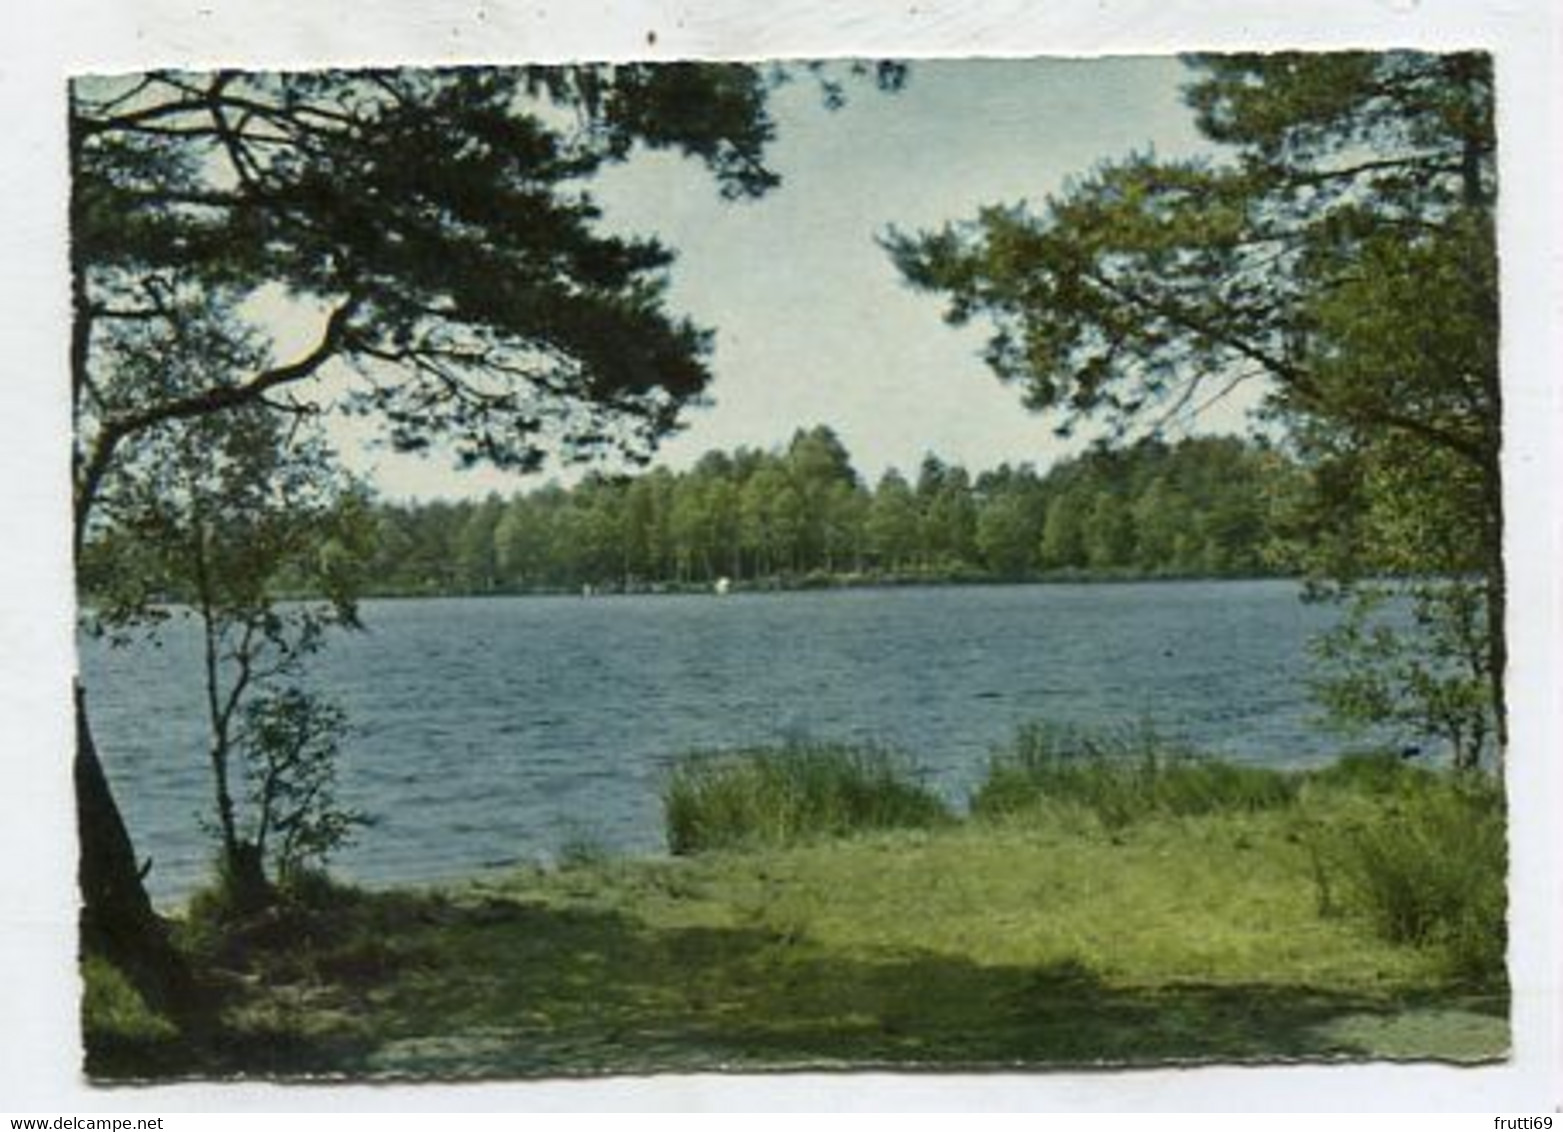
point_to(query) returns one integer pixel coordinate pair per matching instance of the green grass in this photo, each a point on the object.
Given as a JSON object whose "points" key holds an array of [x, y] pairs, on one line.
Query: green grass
{"points": [[778, 796], [1121, 777], [1424, 858], [1216, 917], [126, 1036], [1371, 774], [1420, 856]]}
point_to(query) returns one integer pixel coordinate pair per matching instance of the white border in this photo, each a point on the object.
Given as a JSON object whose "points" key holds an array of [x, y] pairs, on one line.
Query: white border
{"points": [[37, 982]]}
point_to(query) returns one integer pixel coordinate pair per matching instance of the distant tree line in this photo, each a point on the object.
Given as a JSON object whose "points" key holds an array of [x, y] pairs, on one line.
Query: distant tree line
{"points": [[1205, 506]]}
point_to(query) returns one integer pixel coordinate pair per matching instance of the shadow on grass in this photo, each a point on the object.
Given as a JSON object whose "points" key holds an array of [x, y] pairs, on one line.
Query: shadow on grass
{"points": [[505, 988]]}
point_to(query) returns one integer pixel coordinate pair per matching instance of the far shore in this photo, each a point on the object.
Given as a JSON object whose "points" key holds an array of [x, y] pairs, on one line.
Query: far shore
{"points": [[810, 583]]}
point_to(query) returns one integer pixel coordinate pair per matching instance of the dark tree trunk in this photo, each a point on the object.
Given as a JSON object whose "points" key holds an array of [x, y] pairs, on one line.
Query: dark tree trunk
{"points": [[118, 922], [247, 885], [1498, 649]]}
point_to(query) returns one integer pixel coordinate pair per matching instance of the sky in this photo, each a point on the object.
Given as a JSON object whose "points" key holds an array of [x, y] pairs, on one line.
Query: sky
{"points": [[813, 324]]}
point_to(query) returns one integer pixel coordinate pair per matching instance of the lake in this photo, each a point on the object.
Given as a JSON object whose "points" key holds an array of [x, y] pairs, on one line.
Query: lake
{"points": [[494, 730]]}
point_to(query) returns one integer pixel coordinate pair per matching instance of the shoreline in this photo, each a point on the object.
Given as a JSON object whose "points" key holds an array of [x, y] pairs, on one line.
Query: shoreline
{"points": [[838, 582]]}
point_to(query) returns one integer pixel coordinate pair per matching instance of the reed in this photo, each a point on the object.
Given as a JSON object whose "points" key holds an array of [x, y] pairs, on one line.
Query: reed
{"points": [[776, 796], [1121, 776], [1429, 869]]}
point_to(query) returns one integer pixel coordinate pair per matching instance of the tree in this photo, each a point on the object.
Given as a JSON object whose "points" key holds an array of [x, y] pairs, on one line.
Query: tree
{"points": [[436, 222], [1213, 505], [1340, 250], [1064, 529], [1162, 525], [950, 520], [789, 521], [433, 227], [639, 533], [845, 511], [817, 464], [1109, 532], [475, 547], [220, 515], [1007, 535], [392, 545], [756, 504], [892, 523], [692, 526], [585, 533], [522, 540]]}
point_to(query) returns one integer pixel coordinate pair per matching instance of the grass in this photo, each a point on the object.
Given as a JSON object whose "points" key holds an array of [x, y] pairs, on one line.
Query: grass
{"points": [[778, 796], [1424, 858], [1033, 934], [126, 1035], [1121, 777]]}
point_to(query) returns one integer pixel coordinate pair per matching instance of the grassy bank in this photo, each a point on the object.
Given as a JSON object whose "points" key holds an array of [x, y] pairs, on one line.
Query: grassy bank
{"points": [[1118, 907]]}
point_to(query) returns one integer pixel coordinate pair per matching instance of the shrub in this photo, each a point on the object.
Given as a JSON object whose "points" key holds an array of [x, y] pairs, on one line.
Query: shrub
{"points": [[121, 1035], [112, 1008], [784, 795], [218, 926], [1369, 773], [581, 849], [1430, 871], [1121, 776]]}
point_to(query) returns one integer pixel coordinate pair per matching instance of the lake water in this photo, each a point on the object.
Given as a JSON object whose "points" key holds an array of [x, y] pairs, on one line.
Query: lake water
{"points": [[488, 731]]}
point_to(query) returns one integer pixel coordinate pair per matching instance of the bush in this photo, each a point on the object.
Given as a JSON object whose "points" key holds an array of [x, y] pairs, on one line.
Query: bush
{"points": [[1430, 871], [112, 1008], [121, 1035], [1369, 773], [219, 926], [784, 795], [1121, 777]]}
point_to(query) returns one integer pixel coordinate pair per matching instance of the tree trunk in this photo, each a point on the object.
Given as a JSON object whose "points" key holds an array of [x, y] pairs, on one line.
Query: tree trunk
{"points": [[118, 922], [1498, 653], [247, 884]]}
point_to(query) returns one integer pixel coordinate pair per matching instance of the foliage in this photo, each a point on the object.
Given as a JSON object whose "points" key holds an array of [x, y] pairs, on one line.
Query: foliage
{"points": [[1338, 250], [1205, 506], [122, 1035], [1369, 773], [418, 209], [216, 925], [1428, 869], [114, 1012], [1121, 778], [226, 512], [1412, 657], [289, 742], [433, 225], [784, 795]]}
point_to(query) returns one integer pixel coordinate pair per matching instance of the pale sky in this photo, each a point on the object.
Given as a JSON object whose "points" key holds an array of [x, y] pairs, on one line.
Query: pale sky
{"points": [[813, 324]]}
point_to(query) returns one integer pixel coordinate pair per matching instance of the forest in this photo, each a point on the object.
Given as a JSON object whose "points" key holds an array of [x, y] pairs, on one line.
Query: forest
{"points": [[1201, 507]]}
